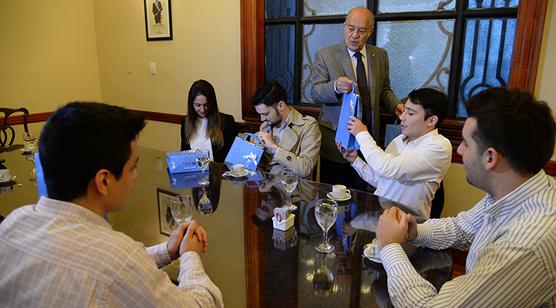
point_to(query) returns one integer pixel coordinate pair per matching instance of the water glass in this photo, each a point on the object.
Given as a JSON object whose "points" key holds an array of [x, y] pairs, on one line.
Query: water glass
{"points": [[289, 179], [29, 143], [203, 160], [326, 212], [182, 209]]}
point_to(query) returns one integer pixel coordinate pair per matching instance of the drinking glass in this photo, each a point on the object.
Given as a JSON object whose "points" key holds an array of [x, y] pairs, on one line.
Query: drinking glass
{"points": [[203, 161], [326, 212], [182, 209], [29, 143], [289, 180]]}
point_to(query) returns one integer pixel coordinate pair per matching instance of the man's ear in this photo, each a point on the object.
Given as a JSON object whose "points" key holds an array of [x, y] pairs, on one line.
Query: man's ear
{"points": [[281, 105], [102, 180], [431, 121], [491, 158]]}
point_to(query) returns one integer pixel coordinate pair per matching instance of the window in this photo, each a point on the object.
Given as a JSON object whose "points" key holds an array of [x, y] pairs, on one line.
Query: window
{"points": [[467, 45], [458, 49]]}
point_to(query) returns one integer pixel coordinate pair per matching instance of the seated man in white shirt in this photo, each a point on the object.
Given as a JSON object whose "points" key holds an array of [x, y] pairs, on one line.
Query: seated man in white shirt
{"points": [[291, 140], [410, 170], [511, 233], [61, 252]]}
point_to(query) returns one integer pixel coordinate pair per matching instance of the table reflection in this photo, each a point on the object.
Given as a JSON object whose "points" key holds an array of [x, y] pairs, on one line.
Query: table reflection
{"points": [[253, 264]]}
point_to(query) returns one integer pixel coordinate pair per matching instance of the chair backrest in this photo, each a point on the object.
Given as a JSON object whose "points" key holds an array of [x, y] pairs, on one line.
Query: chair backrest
{"points": [[437, 203], [7, 133]]}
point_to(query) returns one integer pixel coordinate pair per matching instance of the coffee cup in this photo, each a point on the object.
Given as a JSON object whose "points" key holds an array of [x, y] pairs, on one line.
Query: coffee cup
{"points": [[340, 191], [238, 169], [5, 175]]}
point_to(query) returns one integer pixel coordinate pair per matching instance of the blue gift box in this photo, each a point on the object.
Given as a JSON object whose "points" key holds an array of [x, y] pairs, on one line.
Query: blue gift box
{"points": [[184, 161], [350, 107], [246, 153]]}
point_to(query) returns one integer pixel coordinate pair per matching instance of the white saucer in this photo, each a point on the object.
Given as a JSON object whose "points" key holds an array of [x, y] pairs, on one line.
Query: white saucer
{"points": [[239, 174], [367, 254], [331, 196]]}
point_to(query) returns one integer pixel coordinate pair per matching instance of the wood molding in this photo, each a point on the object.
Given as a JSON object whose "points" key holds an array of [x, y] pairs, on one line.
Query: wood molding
{"points": [[449, 128], [160, 116], [252, 54], [527, 44], [33, 118]]}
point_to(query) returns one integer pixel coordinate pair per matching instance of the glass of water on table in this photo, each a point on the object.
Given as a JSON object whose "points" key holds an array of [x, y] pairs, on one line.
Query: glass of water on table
{"points": [[326, 212], [203, 160]]}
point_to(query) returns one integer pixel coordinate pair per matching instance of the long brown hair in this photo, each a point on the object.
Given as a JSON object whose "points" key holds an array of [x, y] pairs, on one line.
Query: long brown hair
{"points": [[214, 125]]}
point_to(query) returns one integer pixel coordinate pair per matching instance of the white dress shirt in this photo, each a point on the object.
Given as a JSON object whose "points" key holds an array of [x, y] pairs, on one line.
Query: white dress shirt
{"points": [[512, 253], [200, 140], [59, 254], [406, 173]]}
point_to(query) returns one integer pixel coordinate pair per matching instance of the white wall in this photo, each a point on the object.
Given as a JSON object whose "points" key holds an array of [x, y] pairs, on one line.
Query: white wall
{"points": [[48, 54], [545, 87], [205, 45]]}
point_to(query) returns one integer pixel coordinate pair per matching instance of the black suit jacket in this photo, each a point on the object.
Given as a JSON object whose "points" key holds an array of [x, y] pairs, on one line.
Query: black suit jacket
{"points": [[229, 130]]}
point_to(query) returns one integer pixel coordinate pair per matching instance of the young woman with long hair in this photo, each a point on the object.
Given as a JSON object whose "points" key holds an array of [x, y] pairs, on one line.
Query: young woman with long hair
{"points": [[204, 127]]}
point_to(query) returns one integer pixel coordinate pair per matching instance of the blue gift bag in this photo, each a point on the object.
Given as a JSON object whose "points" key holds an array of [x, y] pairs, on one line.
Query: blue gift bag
{"points": [[184, 161], [246, 153], [350, 107]]}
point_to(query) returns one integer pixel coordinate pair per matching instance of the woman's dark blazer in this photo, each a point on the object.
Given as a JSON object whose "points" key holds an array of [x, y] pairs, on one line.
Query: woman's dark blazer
{"points": [[229, 130]]}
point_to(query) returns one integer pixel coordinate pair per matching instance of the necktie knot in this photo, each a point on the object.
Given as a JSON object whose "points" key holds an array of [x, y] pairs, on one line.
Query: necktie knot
{"points": [[358, 56]]}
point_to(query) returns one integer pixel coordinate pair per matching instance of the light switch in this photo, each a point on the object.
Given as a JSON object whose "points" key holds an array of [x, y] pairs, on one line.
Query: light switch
{"points": [[129, 69], [152, 68]]}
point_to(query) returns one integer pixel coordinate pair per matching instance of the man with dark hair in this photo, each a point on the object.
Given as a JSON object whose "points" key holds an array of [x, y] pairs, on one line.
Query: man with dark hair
{"points": [[291, 140], [511, 233], [61, 252], [340, 67], [410, 170]]}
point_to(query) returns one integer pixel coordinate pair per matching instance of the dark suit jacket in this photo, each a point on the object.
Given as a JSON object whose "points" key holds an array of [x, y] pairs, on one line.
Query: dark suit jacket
{"points": [[332, 62], [230, 131]]}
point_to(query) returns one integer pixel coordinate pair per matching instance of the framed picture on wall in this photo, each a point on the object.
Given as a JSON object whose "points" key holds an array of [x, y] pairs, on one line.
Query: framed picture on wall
{"points": [[165, 219], [158, 20]]}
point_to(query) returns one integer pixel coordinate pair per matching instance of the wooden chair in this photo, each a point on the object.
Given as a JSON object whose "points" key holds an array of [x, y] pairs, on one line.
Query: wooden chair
{"points": [[437, 203], [7, 132]]}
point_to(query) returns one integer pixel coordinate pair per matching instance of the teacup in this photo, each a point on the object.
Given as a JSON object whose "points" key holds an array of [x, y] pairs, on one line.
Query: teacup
{"points": [[340, 191], [238, 169], [5, 175]]}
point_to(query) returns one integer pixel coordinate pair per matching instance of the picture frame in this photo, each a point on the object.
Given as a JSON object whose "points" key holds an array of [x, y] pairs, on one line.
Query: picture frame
{"points": [[158, 20], [165, 220]]}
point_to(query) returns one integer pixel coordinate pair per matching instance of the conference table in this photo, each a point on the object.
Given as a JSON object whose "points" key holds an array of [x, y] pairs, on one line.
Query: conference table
{"points": [[253, 264]]}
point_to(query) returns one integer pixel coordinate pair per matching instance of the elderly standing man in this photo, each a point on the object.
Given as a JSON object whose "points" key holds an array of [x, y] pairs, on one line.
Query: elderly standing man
{"points": [[510, 234], [337, 69]]}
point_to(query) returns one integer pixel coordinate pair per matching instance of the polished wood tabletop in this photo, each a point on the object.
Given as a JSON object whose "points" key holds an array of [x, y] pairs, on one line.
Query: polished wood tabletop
{"points": [[253, 264]]}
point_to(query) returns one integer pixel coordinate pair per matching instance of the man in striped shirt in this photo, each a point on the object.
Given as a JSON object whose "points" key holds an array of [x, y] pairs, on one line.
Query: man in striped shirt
{"points": [[510, 234], [62, 253]]}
